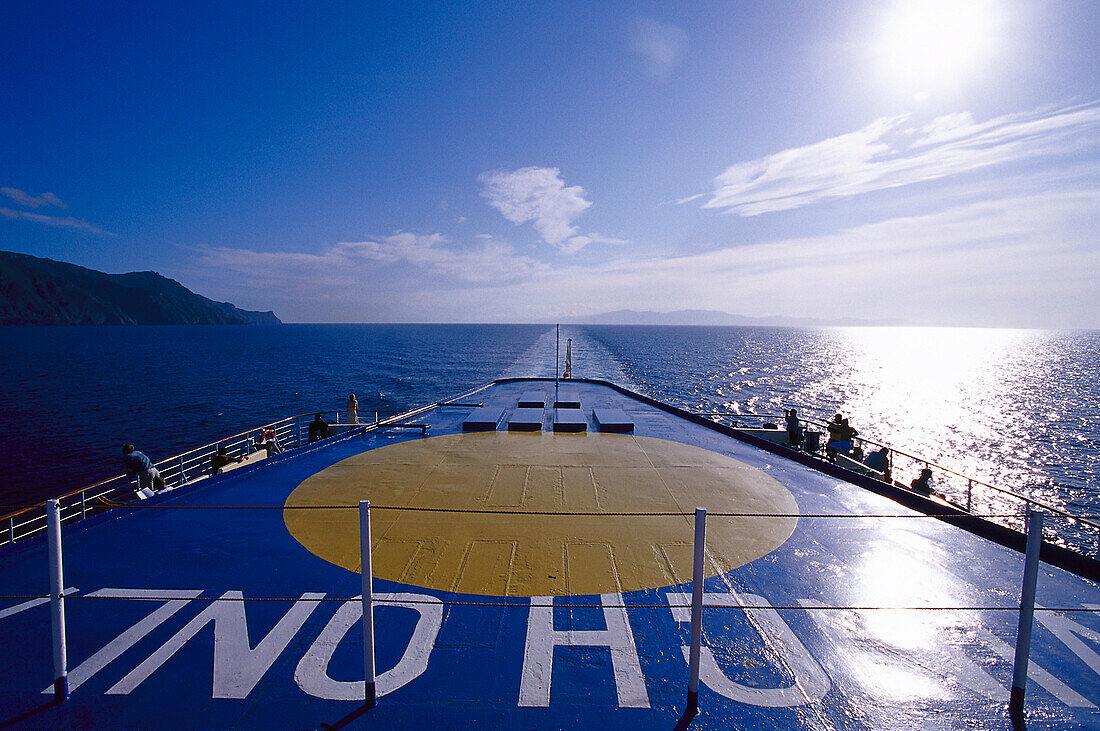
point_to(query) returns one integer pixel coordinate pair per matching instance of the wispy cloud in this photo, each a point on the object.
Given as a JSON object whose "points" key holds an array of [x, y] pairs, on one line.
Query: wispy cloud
{"points": [[661, 46], [538, 195], [68, 222], [32, 201], [576, 243], [1024, 260], [893, 152], [398, 278], [490, 260], [1018, 260], [355, 262]]}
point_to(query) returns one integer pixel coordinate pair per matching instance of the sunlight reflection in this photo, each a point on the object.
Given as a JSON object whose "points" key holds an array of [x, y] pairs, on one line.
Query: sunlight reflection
{"points": [[901, 683], [936, 389], [892, 577]]}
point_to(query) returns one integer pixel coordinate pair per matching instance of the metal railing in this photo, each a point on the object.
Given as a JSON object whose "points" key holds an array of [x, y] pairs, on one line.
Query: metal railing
{"points": [[1077, 532], [177, 471], [193, 465]]}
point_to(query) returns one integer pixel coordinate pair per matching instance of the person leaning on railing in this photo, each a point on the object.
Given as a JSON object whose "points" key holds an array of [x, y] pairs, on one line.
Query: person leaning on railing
{"points": [[138, 464]]}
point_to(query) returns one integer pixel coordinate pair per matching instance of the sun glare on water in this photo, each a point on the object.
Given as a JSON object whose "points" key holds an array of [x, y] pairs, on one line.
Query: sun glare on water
{"points": [[925, 45]]}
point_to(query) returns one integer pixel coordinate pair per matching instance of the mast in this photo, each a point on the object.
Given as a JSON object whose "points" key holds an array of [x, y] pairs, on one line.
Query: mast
{"points": [[557, 353]]}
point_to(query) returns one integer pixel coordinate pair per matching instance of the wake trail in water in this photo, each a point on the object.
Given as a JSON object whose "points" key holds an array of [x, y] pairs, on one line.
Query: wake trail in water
{"points": [[591, 359]]}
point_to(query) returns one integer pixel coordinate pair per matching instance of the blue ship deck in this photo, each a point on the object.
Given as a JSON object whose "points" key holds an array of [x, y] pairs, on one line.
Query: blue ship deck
{"points": [[233, 602]]}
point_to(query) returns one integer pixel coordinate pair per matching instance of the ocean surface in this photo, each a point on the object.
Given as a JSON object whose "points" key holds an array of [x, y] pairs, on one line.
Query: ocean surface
{"points": [[1017, 408]]}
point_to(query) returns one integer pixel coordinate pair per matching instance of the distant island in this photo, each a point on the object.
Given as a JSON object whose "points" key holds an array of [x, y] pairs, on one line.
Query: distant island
{"points": [[715, 317], [36, 291]]}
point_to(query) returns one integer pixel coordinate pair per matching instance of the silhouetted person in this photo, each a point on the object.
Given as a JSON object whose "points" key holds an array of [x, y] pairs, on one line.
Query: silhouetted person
{"points": [[880, 462], [794, 428], [840, 437], [923, 484], [318, 429], [138, 464]]}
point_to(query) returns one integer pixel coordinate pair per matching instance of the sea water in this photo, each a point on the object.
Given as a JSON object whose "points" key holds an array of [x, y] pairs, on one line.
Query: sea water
{"points": [[1017, 408]]}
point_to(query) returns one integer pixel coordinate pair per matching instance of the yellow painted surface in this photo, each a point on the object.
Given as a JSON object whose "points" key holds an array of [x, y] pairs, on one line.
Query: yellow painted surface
{"points": [[550, 554]]}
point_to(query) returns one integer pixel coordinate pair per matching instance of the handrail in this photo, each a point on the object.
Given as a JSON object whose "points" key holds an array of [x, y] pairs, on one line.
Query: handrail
{"points": [[923, 460], [177, 466], [168, 460], [968, 478]]}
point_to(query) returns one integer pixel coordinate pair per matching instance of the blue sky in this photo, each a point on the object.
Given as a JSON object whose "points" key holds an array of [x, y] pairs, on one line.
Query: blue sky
{"points": [[928, 162]]}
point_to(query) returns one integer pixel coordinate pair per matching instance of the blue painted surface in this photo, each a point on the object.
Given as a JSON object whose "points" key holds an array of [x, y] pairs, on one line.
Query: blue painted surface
{"points": [[882, 669]]}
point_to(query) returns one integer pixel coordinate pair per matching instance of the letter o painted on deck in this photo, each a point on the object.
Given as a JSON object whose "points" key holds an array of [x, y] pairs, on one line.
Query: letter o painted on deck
{"points": [[526, 545]]}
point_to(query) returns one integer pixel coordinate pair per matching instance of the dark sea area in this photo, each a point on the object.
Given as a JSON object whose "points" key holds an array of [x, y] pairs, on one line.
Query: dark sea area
{"points": [[1017, 408]]}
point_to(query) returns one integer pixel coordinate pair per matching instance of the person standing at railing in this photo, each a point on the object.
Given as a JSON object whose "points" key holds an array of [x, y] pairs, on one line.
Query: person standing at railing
{"points": [[836, 438], [138, 464], [353, 410], [794, 428]]}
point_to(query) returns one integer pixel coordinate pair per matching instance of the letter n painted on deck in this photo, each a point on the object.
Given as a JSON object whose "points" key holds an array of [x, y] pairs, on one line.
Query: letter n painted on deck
{"points": [[237, 666], [542, 638]]}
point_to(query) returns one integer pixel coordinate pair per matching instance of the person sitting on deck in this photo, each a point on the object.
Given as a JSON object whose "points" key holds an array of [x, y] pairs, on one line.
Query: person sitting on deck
{"points": [[268, 442], [221, 459], [794, 428], [923, 484], [140, 465], [318, 429], [879, 461]]}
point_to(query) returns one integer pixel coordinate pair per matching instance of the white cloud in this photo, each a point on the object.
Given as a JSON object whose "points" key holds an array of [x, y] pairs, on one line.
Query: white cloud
{"points": [[890, 152], [660, 45], [576, 243], [352, 263], [32, 201], [1023, 261], [1019, 260], [539, 195], [75, 224]]}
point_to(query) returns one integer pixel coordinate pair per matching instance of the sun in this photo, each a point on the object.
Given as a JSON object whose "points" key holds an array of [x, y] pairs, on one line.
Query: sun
{"points": [[923, 46]]}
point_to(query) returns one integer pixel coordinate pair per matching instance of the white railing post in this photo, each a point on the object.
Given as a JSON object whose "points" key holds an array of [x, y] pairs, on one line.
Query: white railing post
{"points": [[696, 612], [368, 603], [57, 601], [1027, 611]]}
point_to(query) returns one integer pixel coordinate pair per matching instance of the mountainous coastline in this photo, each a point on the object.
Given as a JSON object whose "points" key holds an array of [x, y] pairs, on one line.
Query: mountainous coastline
{"points": [[715, 317], [35, 291]]}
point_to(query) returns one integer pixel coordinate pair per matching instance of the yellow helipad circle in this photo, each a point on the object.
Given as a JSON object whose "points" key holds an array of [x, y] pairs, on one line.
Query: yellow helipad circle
{"points": [[547, 553]]}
